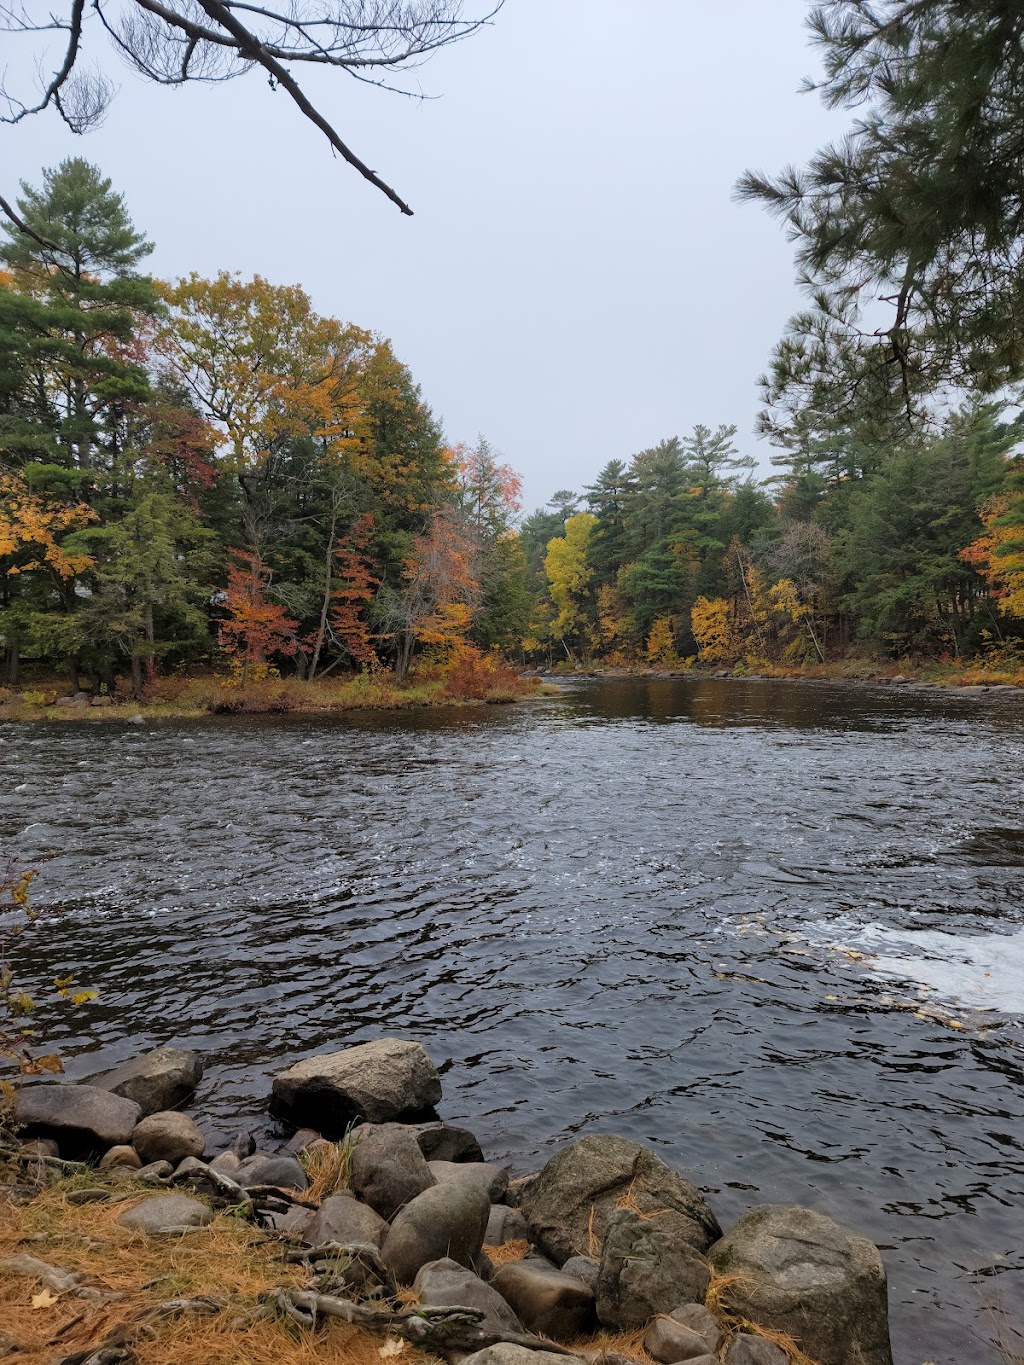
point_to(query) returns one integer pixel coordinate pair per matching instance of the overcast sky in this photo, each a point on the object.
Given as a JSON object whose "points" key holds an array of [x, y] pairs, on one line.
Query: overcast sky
{"points": [[577, 282]]}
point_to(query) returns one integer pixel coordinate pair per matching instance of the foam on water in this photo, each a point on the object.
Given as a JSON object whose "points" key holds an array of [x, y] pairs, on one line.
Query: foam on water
{"points": [[980, 971]]}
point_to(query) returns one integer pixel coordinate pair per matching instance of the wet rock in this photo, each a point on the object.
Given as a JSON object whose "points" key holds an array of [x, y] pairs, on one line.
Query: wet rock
{"points": [[547, 1301], [647, 1267], [504, 1225], [299, 1141], [803, 1274], [341, 1218], [388, 1168], [263, 1169], [505, 1354], [125, 1157], [670, 1341], [165, 1214], [83, 1120], [162, 1079], [702, 1321], [377, 1082], [583, 1268], [492, 1179], [446, 1284], [444, 1221], [243, 1145], [588, 1179], [750, 1350], [442, 1142], [168, 1136]]}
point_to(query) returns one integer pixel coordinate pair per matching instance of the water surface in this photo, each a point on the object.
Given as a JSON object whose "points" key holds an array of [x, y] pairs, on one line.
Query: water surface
{"points": [[643, 907]]}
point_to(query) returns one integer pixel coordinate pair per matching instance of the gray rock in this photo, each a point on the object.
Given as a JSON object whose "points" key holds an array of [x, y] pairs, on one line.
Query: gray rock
{"points": [[547, 1301], [504, 1354], [225, 1162], [446, 1284], [165, 1214], [262, 1169], [647, 1267], [483, 1265], [517, 1189], [243, 1145], [505, 1225], [37, 1147], [444, 1221], [702, 1321], [168, 1136], [583, 1268], [670, 1341], [442, 1142], [299, 1141], [295, 1221], [803, 1274], [162, 1079], [82, 1119], [125, 1157], [587, 1180], [341, 1218], [376, 1082], [388, 1168], [750, 1350], [156, 1173], [492, 1179]]}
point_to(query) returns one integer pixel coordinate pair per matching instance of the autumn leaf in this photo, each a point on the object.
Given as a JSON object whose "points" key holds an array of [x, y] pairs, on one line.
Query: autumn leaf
{"points": [[36, 1066], [44, 1299]]}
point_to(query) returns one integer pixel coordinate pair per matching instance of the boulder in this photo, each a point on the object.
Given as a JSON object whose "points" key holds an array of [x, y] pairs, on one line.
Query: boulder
{"points": [[505, 1354], [168, 1136], [446, 1284], [583, 1268], [702, 1321], [263, 1169], [492, 1179], [82, 1119], [442, 1142], [801, 1273], [750, 1350], [376, 1082], [648, 1265], [124, 1157], [162, 1079], [505, 1225], [444, 1221], [166, 1214], [294, 1221], [341, 1218], [388, 1168], [569, 1204], [517, 1189], [547, 1301], [670, 1341], [299, 1141], [226, 1162]]}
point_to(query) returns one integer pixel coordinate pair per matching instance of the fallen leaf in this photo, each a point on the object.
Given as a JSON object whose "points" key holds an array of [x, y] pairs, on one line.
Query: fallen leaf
{"points": [[392, 1347], [44, 1299]]}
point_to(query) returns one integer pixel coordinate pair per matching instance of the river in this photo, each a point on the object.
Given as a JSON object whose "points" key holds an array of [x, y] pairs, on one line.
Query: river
{"points": [[775, 930]]}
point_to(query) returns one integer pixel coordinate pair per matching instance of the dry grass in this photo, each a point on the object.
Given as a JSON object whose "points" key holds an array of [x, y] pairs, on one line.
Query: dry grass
{"points": [[628, 1343], [508, 1251], [328, 1167]]}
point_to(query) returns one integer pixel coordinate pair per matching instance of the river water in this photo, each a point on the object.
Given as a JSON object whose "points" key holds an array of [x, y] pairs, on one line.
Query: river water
{"points": [[775, 930]]}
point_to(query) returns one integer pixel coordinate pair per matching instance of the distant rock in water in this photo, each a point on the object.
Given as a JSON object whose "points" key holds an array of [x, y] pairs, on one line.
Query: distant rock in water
{"points": [[374, 1082], [162, 1079]]}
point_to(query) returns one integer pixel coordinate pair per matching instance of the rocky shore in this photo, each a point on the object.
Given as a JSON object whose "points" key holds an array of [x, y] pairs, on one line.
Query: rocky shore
{"points": [[400, 1225]]}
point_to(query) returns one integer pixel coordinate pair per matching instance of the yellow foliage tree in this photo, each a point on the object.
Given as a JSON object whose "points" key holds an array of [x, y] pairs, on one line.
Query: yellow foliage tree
{"points": [[569, 578], [713, 627], [31, 527], [998, 555], [661, 645]]}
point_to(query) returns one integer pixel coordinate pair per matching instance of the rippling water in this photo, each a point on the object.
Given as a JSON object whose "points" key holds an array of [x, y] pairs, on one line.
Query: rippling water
{"points": [[640, 907]]}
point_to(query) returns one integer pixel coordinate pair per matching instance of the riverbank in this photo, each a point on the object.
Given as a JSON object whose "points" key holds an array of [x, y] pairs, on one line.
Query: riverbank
{"points": [[188, 699], [379, 1230]]}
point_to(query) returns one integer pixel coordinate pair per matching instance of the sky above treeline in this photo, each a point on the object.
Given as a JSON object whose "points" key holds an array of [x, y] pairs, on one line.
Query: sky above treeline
{"points": [[577, 282]]}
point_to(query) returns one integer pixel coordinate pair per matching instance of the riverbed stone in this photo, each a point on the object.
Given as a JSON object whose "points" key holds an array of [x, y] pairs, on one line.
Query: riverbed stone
{"points": [[648, 1265], [546, 1301], [156, 1173], [162, 1079], [168, 1136], [491, 1178], [447, 1284], [40, 1147], [569, 1204], [166, 1214], [263, 1168], [388, 1168], [445, 1142], [444, 1221], [504, 1353], [702, 1321], [123, 1157], [746, 1349], [670, 1341], [342, 1218], [84, 1120], [583, 1268], [505, 1225], [799, 1272], [377, 1082], [225, 1162]]}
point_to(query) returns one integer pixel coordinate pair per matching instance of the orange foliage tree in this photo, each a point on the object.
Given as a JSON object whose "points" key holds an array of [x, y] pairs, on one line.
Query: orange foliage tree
{"points": [[256, 629], [998, 555], [354, 592]]}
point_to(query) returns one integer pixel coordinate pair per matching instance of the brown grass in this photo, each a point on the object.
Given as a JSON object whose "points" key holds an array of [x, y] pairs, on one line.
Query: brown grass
{"points": [[328, 1167], [508, 1251]]}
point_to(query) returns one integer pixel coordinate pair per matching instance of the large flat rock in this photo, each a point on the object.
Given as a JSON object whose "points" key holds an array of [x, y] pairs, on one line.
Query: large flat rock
{"points": [[84, 1120], [374, 1082]]}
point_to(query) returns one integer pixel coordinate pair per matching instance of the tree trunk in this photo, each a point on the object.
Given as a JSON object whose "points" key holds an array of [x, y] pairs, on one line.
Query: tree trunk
{"points": [[326, 602], [12, 659]]}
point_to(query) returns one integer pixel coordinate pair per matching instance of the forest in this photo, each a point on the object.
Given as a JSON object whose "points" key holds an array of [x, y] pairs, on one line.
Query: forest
{"points": [[205, 478]]}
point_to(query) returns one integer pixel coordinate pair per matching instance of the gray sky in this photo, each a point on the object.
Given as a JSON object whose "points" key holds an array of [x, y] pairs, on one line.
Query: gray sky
{"points": [[577, 282]]}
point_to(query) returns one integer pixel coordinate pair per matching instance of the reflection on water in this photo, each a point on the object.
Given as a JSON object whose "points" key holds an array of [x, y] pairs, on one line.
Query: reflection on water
{"points": [[610, 911]]}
